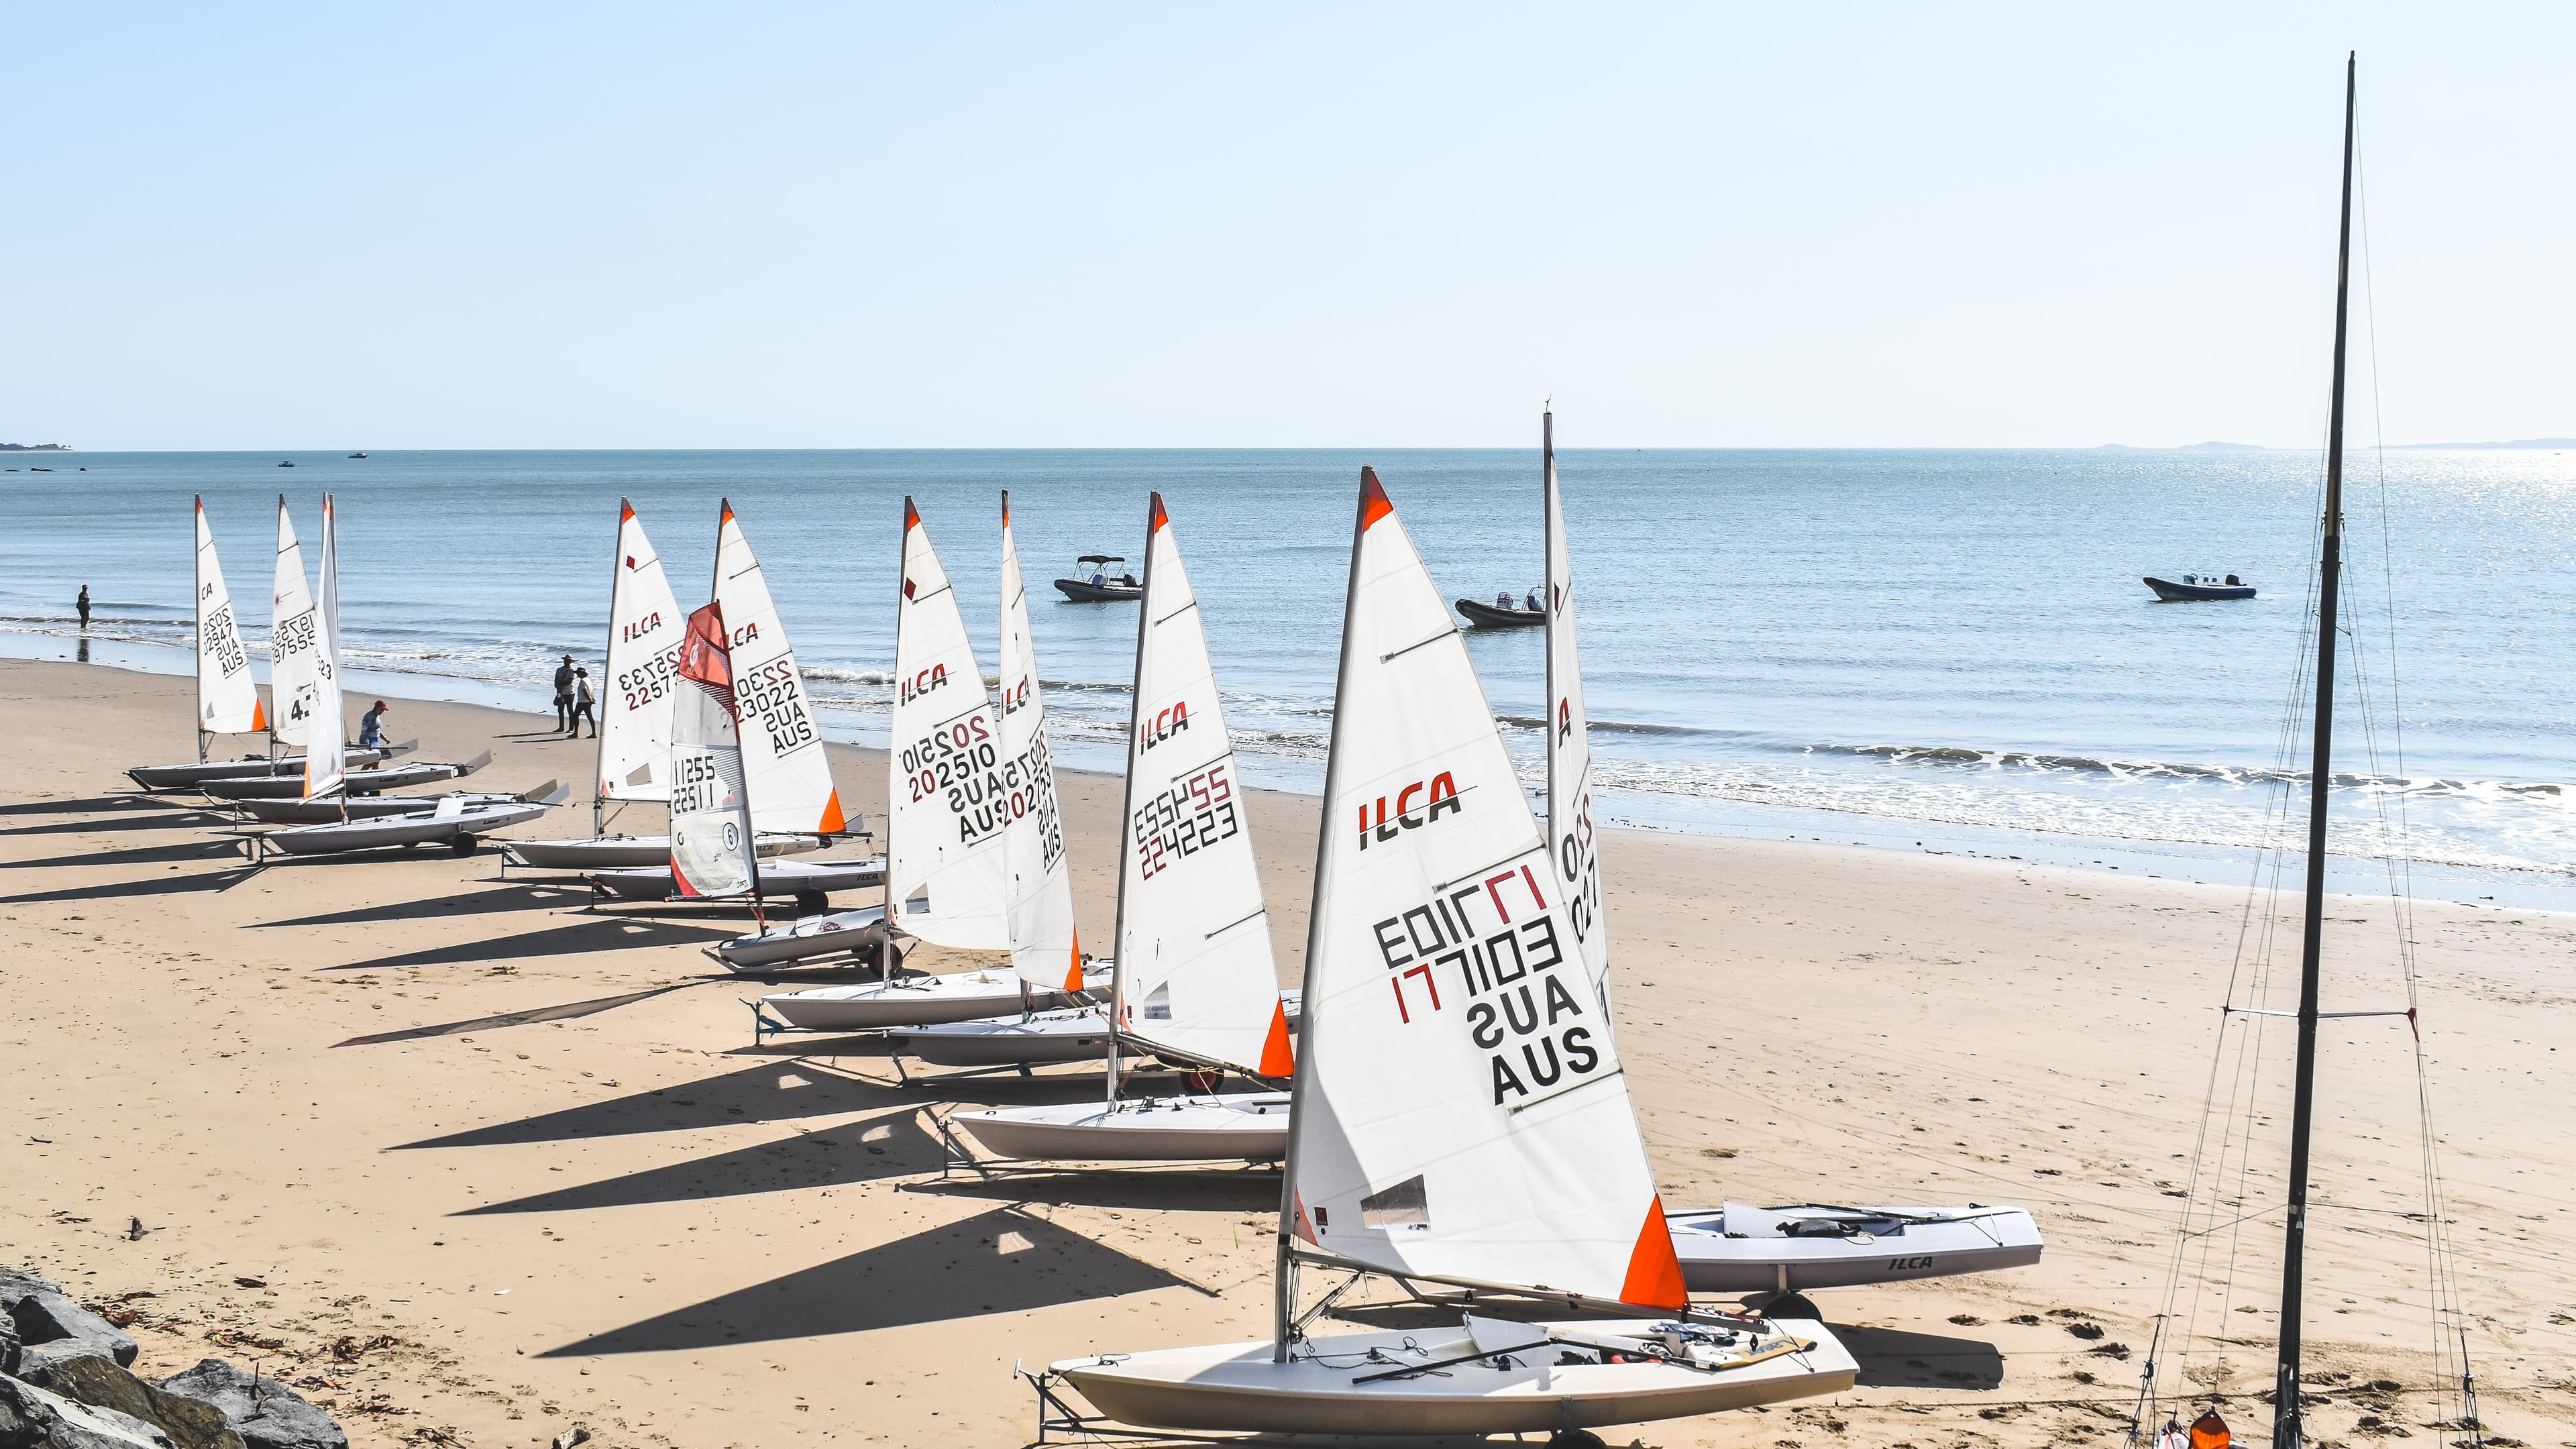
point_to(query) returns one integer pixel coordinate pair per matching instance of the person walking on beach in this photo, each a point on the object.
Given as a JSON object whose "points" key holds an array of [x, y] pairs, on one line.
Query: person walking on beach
{"points": [[371, 727], [82, 604], [582, 700], [563, 695]]}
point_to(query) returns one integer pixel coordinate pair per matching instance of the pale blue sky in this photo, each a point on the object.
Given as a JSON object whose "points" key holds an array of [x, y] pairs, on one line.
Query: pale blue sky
{"points": [[1134, 224]]}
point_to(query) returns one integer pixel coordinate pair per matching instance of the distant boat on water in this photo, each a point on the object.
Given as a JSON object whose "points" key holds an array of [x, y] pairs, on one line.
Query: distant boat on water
{"points": [[286, 462], [357, 455], [2192, 589]]}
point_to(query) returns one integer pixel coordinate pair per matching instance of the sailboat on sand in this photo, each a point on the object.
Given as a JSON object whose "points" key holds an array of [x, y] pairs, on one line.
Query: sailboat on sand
{"points": [[227, 700], [1194, 981], [645, 630], [1460, 1117], [785, 771], [974, 849]]}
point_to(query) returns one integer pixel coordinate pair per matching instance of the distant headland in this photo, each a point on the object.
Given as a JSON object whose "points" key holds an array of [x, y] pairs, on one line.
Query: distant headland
{"points": [[35, 447], [2217, 447]]}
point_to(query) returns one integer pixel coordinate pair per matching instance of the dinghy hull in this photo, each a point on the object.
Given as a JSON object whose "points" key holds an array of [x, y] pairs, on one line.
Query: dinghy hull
{"points": [[1077, 1034], [786, 878], [1797, 1249], [327, 811], [917, 1000], [1238, 1387], [1251, 1127], [1486, 616], [182, 777], [419, 828], [631, 852], [361, 782]]}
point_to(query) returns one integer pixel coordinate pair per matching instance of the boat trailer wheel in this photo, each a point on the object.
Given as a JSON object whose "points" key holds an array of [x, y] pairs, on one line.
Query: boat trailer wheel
{"points": [[1574, 1439], [812, 903], [465, 844]]}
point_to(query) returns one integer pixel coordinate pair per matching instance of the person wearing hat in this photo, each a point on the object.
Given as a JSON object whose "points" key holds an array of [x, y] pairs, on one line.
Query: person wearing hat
{"points": [[563, 695]]}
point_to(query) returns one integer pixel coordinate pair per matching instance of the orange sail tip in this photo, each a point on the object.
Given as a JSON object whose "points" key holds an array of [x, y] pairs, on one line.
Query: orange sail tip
{"points": [[1159, 518], [911, 515], [258, 715], [1276, 1059], [1297, 1220], [1654, 1271], [1073, 970], [1373, 503], [834, 823], [625, 511], [1006, 508]]}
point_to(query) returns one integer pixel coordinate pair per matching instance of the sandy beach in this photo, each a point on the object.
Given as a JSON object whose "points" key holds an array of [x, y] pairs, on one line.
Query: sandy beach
{"points": [[635, 1219]]}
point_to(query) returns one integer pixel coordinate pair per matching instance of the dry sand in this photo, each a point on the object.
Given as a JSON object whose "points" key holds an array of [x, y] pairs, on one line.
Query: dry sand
{"points": [[634, 1220]]}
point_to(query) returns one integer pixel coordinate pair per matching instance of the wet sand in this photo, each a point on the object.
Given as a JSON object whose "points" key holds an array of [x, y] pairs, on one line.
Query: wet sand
{"points": [[634, 1219]]}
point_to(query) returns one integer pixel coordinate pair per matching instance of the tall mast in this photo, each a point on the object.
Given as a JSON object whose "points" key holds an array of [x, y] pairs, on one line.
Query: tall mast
{"points": [[607, 661], [2288, 1425], [1127, 801]]}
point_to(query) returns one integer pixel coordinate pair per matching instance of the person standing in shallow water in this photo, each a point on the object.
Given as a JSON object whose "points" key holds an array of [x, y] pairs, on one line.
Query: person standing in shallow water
{"points": [[82, 604]]}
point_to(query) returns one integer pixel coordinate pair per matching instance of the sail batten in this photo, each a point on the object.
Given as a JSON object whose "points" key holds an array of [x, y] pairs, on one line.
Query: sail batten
{"points": [[1461, 1112], [784, 766], [1195, 975], [945, 879]]}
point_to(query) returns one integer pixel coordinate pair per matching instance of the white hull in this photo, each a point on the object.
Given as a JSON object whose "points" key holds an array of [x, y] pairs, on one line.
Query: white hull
{"points": [[361, 781], [457, 828], [626, 852], [1077, 1034], [327, 811], [1238, 1387], [915, 1000], [1795, 1249], [786, 878], [1251, 1127], [840, 933], [180, 777]]}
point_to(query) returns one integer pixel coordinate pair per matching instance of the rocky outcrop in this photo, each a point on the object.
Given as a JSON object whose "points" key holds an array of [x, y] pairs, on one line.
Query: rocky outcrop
{"points": [[31, 1418], [101, 1383], [266, 1413], [52, 1328]]}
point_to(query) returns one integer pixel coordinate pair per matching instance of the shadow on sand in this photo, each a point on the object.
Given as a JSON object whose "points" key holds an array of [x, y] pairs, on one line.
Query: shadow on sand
{"points": [[1002, 1261], [1894, 1358], [1218, 1190], [891, 1145], [153, 886], [580, 936], [475, 903]]}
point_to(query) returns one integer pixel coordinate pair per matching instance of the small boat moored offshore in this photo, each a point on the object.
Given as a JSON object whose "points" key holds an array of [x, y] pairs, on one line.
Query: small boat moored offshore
{"points": [[1094, 584], [360, 782], [2193, 589], [1742, 1249], [1503, 613]]}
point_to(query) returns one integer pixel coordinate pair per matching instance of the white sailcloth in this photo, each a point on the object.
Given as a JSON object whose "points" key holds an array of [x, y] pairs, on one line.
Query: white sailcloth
{"points": [[711, 849], [782, 748], [227, 700], [1195, 974], [1572, 845], [325, 727], [294, 639], [943, 814], [1460, 1113], [1038, 884], [645, 627]]}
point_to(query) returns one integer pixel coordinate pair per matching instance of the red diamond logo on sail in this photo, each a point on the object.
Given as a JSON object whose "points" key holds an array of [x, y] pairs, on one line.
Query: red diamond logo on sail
{"points": [[907, 588]]}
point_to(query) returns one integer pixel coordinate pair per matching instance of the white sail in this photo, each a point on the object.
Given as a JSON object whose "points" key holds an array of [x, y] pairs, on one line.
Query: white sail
{"points": [[325, 727], [294, 639], [943, 780], [1572, 845], [1038, 884], [227, 700], [1195, 975], [645, 627], [782, 747], [1460, 1113], [711, 849]]}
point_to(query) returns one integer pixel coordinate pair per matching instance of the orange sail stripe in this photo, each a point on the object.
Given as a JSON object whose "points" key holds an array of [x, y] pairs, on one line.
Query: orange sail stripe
{"points": [[258, 714], [1006, 508], [834, 823], [727, 506], [1276, 1060], [911, 516], [1654, 1272], [1159, 519], [1373, 501], [625, 511], [1073, 972]]}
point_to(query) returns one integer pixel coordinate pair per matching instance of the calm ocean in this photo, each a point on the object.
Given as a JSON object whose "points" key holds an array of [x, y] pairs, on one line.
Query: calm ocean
{"points": [[1943, 649]]}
